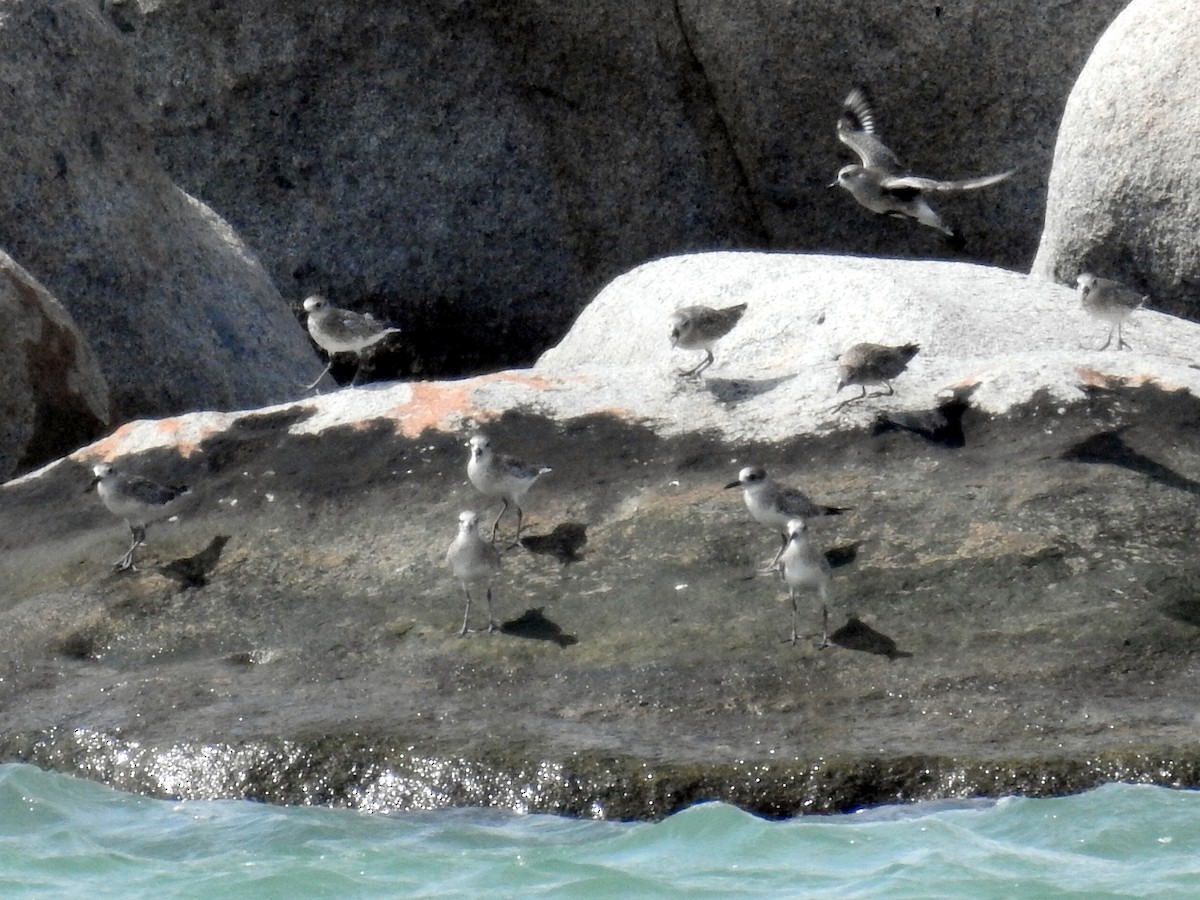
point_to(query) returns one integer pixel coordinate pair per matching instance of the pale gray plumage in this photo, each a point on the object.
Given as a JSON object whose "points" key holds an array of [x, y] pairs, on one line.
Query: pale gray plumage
{"points": [[342, 331], [700, 327], [805, 567], [139, 501], [473, 560], [866, 363], [1109, 301], [775, 505], [881, 183], [496, 475]]}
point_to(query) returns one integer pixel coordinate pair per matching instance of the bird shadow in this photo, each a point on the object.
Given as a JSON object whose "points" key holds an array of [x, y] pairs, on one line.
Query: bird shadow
{"points": [[533, 625], [737, 390], [193, 571], [1110, 447], [858, 635], [941, 425], [563, 543], [843, 555]]}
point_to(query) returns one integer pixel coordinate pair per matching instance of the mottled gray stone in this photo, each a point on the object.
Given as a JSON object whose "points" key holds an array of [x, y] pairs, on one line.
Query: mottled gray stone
{"points": [[180, 313], [476, 172], [1124, 194]]}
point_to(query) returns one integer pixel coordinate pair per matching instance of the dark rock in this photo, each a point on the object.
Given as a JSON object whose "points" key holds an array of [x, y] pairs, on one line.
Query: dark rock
{"points": [[178, 311], [475, 173]]}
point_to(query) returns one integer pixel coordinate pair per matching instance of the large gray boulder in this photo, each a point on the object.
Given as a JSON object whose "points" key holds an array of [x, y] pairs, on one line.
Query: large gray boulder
{"points": [[1124, 188], [180, 313], [53, 397], [1004, 591], [476, 173]]}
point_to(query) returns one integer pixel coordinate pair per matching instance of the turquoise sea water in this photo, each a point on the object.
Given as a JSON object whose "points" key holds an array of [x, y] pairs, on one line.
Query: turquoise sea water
{"points": [[64, 837]]}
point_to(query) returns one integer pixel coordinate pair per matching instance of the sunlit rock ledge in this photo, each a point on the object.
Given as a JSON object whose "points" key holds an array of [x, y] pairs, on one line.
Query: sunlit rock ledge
{"points": [[1014, 602]]}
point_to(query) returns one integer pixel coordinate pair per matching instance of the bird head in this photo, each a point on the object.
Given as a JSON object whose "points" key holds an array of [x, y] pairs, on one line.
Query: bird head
{"points": [[796, 528], [749, 477], [480, 446], [315, 303], [1085, 282], [468, 521]]}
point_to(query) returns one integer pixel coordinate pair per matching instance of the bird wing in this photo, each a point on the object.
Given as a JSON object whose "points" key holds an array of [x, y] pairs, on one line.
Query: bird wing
{"points": [[797, 503], [856, 129], [143, 490], [908, 186], [359, 325]]}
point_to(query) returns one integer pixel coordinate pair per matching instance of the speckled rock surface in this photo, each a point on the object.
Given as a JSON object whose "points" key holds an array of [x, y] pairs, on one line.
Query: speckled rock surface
{"points": [[1014, 598], [1124, 194]]}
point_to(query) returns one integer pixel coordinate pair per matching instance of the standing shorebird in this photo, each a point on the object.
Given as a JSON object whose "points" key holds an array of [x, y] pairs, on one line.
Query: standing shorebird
{"points": [[865, 364], [473, 561], [881, 183], [501, 476], [805, 566], [699, 328], [137, 500], [776, 505], [342, 331], [1111, 302]]}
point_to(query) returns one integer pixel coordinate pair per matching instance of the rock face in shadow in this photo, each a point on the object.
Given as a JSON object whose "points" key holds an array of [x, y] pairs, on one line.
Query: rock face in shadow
{"points": [[1122, 195], [476, 173], [999, 606], [53, 397], [172, 302]]}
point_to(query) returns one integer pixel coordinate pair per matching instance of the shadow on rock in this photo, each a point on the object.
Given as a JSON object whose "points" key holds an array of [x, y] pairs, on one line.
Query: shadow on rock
{"points": [[535, 626], [843, 555], [942, 425], [1110, 447], [858, 635], [193, 571], [562, 543], [729, 390]]}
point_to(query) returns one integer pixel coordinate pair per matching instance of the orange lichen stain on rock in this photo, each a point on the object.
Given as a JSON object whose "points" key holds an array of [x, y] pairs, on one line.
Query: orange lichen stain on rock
{"points": [[1106, 381], [442, 405], [434, 404], [179, 433]]}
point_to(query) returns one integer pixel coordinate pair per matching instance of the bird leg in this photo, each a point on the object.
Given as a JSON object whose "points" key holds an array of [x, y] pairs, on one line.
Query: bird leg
{"points": [[795, 615], [773, 565], [890, 390], [467, 614], [852, 399], [138, 533], [1121, 342], [492, 626], [517, 541], [496, 524], [824, 628], [324, 372], [704, 364]]}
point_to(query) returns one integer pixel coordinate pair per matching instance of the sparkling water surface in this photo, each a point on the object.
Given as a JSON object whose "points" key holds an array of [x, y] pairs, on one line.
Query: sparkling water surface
{"points": [[66, 837]]}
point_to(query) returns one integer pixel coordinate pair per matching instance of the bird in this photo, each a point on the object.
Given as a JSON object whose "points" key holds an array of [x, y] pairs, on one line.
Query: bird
{"points": [[496, 475], [775, 505], [865, 364], [700, 327], [881, 183], [139, 501], [1111, 302], [342, 331], [473, 560], [804, 566]]}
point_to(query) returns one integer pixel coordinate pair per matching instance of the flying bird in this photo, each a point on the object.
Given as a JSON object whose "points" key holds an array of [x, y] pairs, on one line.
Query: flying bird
{"points": [[881, 183]]}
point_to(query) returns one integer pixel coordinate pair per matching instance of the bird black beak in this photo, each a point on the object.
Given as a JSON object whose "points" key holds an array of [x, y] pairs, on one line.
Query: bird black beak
{"points": [[92, 485], [733, 484]]}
